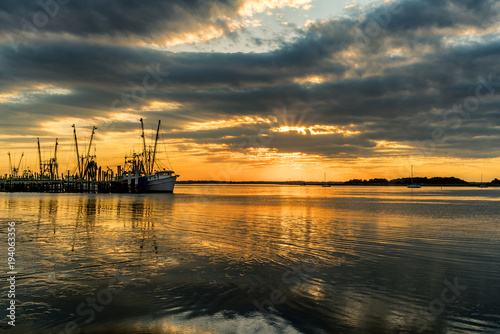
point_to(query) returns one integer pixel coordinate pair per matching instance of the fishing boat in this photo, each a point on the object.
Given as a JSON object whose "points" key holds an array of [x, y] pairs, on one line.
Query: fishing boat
{"points": [[141, 173], [413, 185], [161, 181]]}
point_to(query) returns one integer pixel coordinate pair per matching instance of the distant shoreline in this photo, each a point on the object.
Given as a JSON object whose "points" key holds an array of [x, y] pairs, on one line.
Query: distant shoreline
{"points": [[312, 183]]}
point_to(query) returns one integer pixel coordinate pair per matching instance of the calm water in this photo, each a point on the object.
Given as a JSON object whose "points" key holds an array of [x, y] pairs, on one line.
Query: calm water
{"points": [[257, 259]]}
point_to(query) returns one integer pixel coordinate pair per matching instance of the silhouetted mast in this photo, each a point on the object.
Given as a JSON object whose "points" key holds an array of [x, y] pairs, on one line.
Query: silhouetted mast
{"points": [[18, 165], [39, 156], [91, 138], [54, 168], [77, 154], [55, 151], [156, 142], [145, 159], [88, 151], [10, 164]]}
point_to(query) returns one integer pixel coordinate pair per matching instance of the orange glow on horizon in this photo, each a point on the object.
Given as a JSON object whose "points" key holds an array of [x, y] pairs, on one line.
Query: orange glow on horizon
{"points": [[195, 159], [218, 162]]}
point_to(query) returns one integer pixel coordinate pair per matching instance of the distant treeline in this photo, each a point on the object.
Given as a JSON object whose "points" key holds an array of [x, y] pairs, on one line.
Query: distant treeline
{"points": [[376, 181], [416, 180]]}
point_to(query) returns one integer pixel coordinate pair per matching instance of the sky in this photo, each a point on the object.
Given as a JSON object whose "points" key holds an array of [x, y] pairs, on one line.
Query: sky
{"points": [[256, 89]]}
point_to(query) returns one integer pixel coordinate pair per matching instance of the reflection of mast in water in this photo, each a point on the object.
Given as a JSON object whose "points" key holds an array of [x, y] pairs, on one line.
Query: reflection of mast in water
{"points": [[53, 212], [49, 212], [77, 222], [39, 219], [143, 222], [85, 212], [90, 210]]}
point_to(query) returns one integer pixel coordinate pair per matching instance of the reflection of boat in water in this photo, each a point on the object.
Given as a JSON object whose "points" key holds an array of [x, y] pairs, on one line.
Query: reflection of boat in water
{"points": [[140, 173], [413, 185]]}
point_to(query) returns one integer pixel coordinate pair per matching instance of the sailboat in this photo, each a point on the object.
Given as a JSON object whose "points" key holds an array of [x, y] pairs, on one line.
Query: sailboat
{"points": [[141, 175], [482, 185], [413, 185], [326, 185]]}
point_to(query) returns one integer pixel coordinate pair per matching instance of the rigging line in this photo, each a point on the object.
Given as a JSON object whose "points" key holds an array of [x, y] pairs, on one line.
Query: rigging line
{"points": [[166, 152], [73, 170], [69, 157]]}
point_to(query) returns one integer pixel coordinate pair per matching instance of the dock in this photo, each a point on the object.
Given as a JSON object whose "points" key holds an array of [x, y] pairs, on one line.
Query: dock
{"points": [[64, 186]]}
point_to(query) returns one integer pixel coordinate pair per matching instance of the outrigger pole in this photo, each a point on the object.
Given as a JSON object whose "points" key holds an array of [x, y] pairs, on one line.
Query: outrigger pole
{"points": [[145, 159], [77, 154], [154, 151], [10, 165], [40, 156]]}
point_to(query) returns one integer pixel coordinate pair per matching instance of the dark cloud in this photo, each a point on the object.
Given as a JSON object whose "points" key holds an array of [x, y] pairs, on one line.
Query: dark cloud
{"points": [[393, 84], [422, 14], [130, 20]]}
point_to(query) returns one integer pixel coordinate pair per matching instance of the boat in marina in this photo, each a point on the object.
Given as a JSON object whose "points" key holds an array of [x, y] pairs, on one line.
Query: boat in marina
{"points": [[141, 173]]}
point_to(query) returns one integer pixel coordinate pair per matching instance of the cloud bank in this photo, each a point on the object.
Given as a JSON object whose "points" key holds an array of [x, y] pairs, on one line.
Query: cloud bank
{"points": [[404, 77]]}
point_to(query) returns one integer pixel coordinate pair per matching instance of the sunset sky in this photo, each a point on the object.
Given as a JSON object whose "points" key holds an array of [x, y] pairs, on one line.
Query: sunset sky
{"points": [[257, 89]]}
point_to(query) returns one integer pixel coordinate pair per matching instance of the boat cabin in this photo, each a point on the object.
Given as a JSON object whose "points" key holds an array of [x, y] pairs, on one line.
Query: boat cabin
{"points": [[161, 174]]}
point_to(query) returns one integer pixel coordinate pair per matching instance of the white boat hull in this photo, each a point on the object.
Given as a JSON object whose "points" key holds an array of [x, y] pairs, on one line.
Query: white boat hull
{"points": [[162, 185]]}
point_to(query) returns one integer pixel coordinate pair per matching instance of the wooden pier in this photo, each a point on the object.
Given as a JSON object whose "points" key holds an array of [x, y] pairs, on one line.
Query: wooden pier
{"points": [[63, 186]]}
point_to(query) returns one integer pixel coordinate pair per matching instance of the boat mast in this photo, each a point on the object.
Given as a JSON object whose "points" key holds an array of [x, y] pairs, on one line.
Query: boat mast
{"points": [[10, 164], [91, 138], [40, 156], [154, 150], [77, 154], [19, 165], [85, 164], [411, 174], [90, 145], [55, 171], [146, 160]]}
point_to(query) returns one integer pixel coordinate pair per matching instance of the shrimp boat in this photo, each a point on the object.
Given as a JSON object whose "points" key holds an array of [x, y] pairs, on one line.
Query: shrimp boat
{"points": [[140, 171]]}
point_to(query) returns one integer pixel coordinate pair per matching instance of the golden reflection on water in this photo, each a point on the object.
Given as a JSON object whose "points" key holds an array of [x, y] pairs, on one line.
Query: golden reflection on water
{"points": [[372, 247]]}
